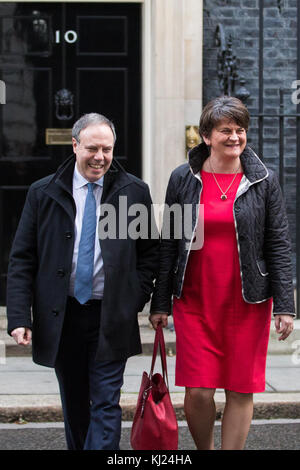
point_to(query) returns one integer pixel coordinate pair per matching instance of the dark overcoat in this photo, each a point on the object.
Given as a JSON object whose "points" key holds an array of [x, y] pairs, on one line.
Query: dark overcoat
{"points": [[41, 260]]}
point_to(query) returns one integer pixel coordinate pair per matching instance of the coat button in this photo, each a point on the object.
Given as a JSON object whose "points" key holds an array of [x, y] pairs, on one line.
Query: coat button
{"points": [[68, 235], [60, 272], [55, 312]]}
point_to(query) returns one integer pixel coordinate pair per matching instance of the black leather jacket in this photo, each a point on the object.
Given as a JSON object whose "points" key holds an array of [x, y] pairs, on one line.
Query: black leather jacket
{"points": [[261, 232]]}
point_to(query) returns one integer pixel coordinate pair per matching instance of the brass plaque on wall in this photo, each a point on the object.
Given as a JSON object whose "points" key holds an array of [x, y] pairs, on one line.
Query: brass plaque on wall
{"points": [[58, 136]]}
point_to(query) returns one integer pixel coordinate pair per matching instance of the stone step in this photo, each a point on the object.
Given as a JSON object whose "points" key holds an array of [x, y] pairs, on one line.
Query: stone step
{"points": [[3, 320], [289, 346], [147, 338], [143, 317]]}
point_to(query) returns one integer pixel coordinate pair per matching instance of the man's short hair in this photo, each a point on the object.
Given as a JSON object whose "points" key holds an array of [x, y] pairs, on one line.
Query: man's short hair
{"points": [[91, 119]]}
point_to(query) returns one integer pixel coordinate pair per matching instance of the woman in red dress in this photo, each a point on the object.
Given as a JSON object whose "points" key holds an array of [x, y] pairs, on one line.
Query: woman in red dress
{"points": [[223, 293]]}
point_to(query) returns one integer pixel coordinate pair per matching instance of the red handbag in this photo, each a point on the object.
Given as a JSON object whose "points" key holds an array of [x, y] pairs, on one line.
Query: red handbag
{"points": [[154, 424]]}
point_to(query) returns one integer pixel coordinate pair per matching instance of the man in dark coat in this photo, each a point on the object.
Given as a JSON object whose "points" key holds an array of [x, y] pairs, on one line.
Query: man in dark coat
{"points": [[78, 275]]}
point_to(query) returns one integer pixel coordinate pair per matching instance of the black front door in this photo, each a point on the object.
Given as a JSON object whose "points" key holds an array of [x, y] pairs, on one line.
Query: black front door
{"points": [[57, 62]]}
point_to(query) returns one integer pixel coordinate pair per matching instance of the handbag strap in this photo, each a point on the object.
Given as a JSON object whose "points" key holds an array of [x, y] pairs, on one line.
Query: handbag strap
{"points": [[160, 341]]}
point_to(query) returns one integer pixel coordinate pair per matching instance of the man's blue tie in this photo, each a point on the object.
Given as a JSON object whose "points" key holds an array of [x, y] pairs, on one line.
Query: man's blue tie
{"points": [[85, 262]]}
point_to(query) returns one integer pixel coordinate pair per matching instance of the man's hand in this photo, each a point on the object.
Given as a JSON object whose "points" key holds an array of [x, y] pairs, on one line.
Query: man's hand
{"points": [[158, 318], [22, 336], [284, 324]]}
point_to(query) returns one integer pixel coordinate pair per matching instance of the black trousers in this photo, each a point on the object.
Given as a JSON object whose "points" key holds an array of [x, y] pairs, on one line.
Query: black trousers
{"points": [[90, 389]]}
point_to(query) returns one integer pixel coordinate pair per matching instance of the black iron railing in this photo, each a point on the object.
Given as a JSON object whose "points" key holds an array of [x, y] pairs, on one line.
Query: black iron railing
{"points": [[228, 74]]}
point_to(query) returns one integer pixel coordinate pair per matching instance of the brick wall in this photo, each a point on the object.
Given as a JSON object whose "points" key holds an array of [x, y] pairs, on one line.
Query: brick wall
{"points": [[240, 18]]}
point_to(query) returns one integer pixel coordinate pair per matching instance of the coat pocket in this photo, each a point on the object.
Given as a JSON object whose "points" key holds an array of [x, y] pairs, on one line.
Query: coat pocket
{"points": [[262, 267]]}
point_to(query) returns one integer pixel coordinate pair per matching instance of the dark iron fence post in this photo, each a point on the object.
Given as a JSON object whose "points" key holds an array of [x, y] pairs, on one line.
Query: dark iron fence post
{"points": [[298, 175], [261, 80], [281, 138]]}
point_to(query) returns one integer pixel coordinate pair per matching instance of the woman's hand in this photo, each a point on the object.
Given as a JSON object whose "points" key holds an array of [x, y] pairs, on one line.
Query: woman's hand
{"points": [[284, 324], [158, 318]]}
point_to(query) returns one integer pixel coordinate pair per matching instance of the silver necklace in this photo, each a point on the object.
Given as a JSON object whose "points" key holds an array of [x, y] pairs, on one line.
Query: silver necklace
{"points": [[223, 195]]}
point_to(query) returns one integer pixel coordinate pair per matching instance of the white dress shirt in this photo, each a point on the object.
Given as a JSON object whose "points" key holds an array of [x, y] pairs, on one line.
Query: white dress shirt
{"points": [[79, 194]]}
